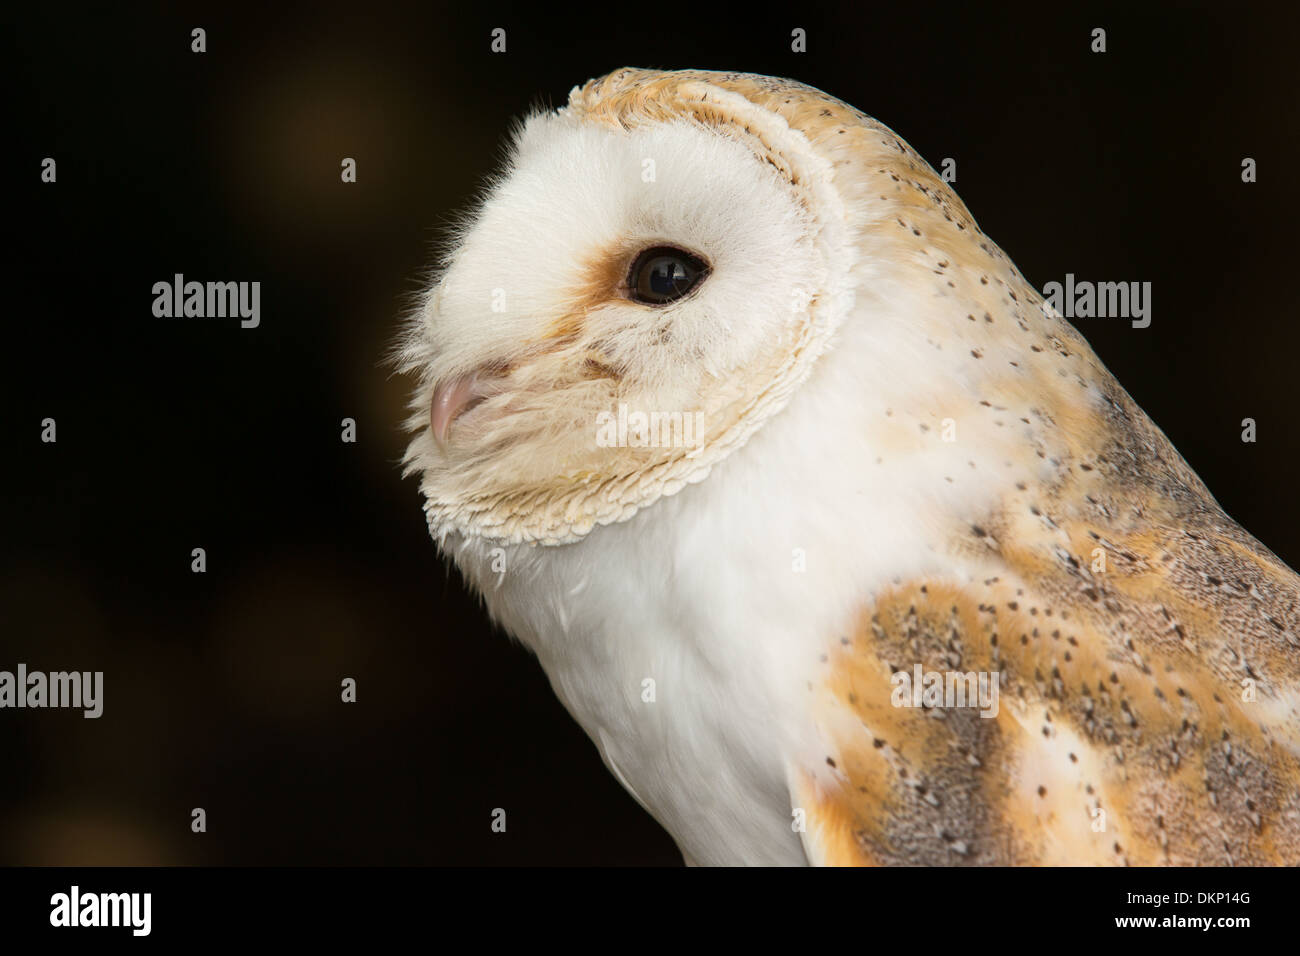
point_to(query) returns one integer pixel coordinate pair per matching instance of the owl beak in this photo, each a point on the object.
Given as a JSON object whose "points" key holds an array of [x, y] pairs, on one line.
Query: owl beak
{"points": [[453, 398]]}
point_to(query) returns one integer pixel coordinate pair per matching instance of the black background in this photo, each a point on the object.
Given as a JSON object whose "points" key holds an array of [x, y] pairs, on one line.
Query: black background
{"points": [[222, 689]]}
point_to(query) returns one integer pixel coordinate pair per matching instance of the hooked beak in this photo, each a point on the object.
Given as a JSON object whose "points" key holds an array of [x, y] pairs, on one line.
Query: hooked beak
{"points": [[453, 398]]}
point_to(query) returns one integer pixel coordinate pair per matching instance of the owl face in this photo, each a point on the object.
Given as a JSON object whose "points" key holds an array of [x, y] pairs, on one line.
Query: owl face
{"points": [[626, 305]]}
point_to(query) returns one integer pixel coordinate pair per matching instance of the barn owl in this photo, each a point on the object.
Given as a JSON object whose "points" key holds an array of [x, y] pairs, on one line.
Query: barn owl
{"points": [[836, 538]]}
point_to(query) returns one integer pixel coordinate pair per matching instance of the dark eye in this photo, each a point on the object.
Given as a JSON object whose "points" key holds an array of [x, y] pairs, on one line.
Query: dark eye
{"points": [[663, 274]]}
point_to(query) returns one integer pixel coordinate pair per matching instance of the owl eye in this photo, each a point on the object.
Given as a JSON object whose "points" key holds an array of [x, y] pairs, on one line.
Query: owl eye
{"points": [[663, 274]]}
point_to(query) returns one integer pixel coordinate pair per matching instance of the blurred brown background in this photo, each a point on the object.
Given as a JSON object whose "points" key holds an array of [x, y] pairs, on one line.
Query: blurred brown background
{"points": [[222, 689]]}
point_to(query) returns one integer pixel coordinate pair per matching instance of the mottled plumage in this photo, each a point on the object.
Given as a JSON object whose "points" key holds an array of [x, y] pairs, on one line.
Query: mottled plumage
{"points": [[961, 483]]}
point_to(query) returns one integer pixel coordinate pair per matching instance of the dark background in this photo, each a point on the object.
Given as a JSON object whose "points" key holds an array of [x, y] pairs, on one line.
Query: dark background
{"points": [[222, 689]]}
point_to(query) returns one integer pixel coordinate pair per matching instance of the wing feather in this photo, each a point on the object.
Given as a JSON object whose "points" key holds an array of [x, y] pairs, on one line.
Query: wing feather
{"points": [[1148, 674]]}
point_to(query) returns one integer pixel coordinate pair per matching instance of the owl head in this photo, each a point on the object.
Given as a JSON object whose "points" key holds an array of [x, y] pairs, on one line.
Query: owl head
{"points": [[651, 277]]}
